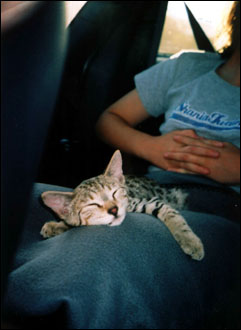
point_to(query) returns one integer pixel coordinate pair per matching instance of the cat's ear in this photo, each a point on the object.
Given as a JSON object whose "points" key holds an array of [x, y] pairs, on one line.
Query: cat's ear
{"points": [[114, 167], [58, 202]]}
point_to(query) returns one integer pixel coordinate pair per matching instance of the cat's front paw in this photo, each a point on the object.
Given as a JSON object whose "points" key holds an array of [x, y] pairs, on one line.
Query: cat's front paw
{"points": [[53, 228], [192, 246]]}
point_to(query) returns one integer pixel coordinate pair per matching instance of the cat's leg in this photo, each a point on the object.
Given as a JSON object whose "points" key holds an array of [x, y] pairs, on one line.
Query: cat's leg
{"points": [[183, 234], [53, 228]]}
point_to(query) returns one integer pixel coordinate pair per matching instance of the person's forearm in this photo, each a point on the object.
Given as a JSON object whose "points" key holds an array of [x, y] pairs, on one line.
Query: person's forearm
{"points": [[162, 151], [116, 132]]}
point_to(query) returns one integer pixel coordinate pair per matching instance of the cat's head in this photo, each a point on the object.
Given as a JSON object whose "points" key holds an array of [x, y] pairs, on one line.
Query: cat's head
{"points": [[97, 201]]}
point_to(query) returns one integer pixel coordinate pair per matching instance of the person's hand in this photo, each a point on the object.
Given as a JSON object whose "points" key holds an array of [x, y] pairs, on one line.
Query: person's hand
{"points": [[165, 149], [225, 168]]}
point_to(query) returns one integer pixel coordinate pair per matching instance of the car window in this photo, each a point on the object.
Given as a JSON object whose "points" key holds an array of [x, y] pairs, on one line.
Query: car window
{"points": [[177, 32], [72, 8]]}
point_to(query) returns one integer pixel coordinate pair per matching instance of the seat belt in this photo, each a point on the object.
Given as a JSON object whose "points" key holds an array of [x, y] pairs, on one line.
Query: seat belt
{"points": [[202, 40]]}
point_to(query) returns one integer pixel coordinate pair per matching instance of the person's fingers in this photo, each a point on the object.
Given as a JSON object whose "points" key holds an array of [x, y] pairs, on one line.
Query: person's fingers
{"points": [[186, 140], [188, 162], [179, 170], [196, 150], [190, 169], [188, 132]]}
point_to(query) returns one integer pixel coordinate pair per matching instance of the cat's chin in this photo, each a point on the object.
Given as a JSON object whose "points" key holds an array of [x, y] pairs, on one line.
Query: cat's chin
{"points": [[117, 221]]}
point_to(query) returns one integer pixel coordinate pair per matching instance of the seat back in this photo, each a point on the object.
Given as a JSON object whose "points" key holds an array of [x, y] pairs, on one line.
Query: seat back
{"points": [[33, 50]]}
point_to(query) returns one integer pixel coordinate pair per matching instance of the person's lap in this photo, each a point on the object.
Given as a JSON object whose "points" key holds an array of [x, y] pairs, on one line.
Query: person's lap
{"points": [[126, 277]]}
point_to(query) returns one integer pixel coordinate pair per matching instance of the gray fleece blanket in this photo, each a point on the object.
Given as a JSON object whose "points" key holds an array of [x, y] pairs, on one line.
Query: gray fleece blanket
{"points": [[133, 276]]}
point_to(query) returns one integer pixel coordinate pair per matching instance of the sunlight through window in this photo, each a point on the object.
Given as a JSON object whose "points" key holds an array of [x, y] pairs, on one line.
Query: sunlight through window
{"points": [[72, 8], [177, 33]]}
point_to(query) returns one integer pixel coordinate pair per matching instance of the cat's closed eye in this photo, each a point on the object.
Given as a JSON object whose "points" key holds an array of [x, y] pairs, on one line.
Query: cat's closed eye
{"points": [[93, 204], [119, 193], [89, 208]]}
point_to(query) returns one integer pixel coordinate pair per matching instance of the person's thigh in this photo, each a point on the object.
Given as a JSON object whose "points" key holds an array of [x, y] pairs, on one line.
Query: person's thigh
{"points": [[130, 276]]}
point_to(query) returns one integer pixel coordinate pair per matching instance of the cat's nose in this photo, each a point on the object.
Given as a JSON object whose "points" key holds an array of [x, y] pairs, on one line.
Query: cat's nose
{"points": [[113, 210]]}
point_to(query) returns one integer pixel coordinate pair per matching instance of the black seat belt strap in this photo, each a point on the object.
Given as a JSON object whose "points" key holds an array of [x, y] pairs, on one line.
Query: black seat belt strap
{"points": [[202, 40]]}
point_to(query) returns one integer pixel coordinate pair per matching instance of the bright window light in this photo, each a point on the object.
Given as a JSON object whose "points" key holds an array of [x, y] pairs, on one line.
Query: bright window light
{"points": [[177, 33], [72, 8]]}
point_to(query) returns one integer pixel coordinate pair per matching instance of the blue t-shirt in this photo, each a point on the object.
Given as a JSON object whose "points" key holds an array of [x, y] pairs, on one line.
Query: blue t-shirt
{"points": [[191, 95]]}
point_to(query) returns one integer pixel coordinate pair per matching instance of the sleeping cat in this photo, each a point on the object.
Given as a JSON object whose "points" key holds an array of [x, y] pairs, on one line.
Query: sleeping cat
{"points": [[105, 199]]}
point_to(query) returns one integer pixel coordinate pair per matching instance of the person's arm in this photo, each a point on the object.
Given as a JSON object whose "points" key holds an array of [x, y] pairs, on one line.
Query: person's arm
{"points": [[117, 124]]}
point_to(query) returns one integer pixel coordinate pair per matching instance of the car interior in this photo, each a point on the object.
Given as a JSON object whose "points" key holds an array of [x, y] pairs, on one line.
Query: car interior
{"points": [[109, 42], [90, 64]]}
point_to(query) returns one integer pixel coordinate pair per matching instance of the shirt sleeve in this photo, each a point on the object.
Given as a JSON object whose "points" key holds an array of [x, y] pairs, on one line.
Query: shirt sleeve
{"points": [[152, 86]]}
